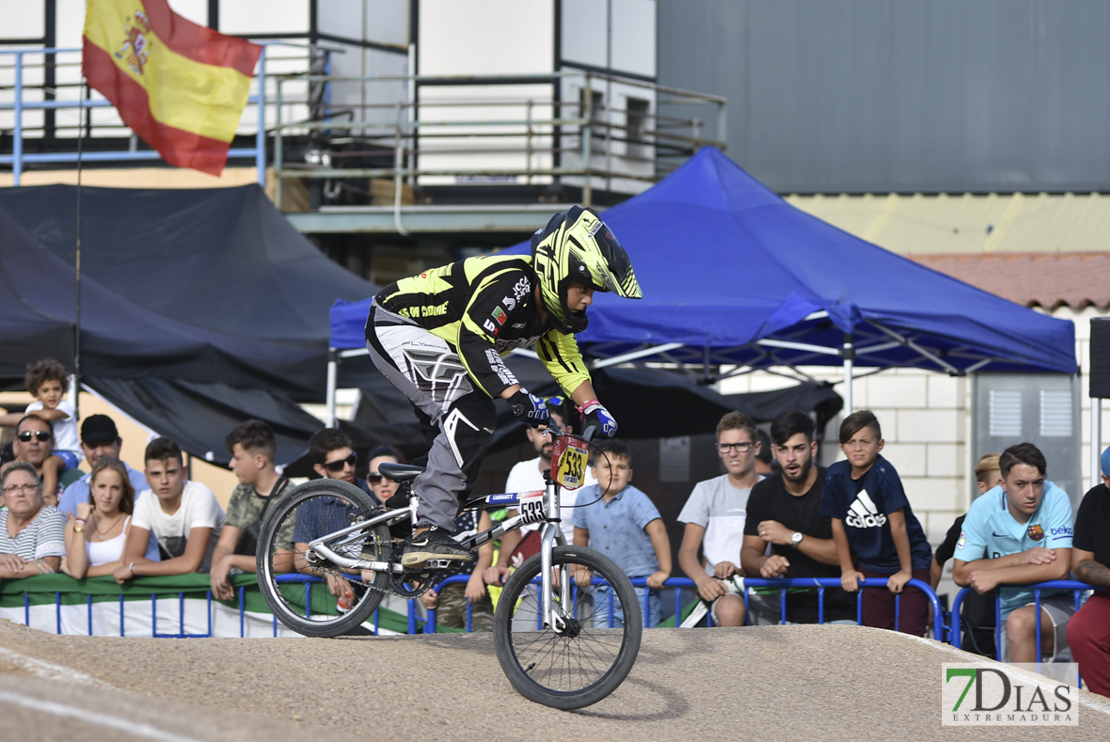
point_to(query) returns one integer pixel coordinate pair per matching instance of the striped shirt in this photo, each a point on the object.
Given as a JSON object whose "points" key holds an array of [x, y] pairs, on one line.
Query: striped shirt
{"points": [[43, 537]]}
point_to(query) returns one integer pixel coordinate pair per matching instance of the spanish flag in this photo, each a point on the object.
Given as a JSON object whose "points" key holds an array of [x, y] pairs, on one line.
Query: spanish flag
{"points": [[179, 86]]}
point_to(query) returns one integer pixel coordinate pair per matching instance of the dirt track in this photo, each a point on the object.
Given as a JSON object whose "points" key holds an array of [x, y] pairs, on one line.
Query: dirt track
{"points": [[772, 683]]}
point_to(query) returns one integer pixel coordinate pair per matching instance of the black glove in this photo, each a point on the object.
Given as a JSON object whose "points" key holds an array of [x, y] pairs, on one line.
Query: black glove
{"points": [[528, 408], [596, 416]]}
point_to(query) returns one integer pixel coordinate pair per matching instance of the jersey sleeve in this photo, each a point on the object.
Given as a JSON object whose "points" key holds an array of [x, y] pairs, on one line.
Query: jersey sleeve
{"points": [[972, 543], [1084, 522], [578, 516], [560, 356], [645, 511], [491, 306], [141, 517], [890, 493], [756, 508], [945, 550], [833, 499], [207, 512], [307, 523], [696, 509], [51, 536], [1060, 525]]}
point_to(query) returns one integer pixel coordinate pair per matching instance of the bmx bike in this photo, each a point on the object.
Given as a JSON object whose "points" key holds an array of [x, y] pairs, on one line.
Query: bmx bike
{"points": [[568, 623]]}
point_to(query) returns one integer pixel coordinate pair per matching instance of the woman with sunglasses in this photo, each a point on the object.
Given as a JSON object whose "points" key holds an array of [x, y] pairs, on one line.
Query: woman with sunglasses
{"points": [[96, 536], [32, 534], [382, 487]]}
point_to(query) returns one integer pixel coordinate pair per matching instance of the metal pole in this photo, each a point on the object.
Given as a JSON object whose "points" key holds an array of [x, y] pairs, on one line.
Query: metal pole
{"points": [[278, 159], [587, 143], [260, 137], [848, 352], [1096, 441], [17, 134], [77, 264], [333, 376]]}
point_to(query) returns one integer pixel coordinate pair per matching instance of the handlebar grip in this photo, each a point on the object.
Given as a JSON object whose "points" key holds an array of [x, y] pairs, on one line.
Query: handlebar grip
{"points": [[589, 432]]}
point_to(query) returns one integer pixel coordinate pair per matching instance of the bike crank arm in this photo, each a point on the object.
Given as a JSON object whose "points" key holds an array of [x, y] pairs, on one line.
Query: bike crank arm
{"points": [[349, 563]]}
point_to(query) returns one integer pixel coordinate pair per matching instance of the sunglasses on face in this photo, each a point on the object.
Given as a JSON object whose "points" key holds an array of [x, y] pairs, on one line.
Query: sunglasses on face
{"points": [[377, 476], [338, 466], [42, 435]]}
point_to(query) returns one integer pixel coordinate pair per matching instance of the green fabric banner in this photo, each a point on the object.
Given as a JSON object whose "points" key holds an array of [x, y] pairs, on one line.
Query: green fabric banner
{"points": [[64, 590]]}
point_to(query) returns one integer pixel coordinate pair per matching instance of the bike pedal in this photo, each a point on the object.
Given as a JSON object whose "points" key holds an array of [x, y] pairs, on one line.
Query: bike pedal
{"points": [[439, 563]]}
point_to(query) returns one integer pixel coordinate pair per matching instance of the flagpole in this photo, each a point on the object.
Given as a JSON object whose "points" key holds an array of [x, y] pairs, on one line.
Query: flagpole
{"points": [[77, 265]]}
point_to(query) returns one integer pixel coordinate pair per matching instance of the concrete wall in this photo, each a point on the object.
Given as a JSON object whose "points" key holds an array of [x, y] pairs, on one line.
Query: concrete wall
{"points": [[902, 95]]}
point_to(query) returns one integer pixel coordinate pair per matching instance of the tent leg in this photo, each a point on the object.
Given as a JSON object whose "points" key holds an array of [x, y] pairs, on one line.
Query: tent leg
{"points": [[1096, 441], [333, 377], [849, 354]]}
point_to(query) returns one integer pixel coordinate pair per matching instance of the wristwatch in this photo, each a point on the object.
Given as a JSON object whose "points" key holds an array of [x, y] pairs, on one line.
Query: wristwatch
{"points": [[78, 528], [796, 538]]}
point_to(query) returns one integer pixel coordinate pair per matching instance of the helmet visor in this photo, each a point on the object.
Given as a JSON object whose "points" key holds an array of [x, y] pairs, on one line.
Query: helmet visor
{"points": [[617, 275]]}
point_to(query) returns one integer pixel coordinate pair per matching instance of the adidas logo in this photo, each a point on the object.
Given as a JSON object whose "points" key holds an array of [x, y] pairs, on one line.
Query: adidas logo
{"points": [[864, 514]]}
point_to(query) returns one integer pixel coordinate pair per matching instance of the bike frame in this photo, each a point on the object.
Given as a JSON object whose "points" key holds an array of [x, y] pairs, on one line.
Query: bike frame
{"points": [[551, 536]]}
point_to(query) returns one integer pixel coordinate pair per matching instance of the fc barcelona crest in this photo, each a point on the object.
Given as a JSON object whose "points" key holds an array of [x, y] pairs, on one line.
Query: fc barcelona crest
{"points": [[1036, 533]]}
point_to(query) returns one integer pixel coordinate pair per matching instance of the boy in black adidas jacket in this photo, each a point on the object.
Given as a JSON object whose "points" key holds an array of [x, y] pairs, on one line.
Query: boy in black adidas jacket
{"points": [[875, 530]]}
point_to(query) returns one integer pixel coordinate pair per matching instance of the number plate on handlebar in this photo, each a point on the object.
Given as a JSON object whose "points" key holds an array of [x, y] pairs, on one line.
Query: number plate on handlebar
{"points": [[568, 460], [531, 507]]}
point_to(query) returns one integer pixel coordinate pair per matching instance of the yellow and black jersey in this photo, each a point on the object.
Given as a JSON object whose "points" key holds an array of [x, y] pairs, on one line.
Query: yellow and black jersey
{"points": [[485, 307]]}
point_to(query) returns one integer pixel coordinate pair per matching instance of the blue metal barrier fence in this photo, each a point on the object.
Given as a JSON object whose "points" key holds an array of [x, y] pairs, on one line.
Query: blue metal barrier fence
{"points": [[415, 624], [1077, 588], [821, 584]]}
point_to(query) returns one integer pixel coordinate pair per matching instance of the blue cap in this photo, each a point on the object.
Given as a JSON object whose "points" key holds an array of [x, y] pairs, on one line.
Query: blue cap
{"points": [[1106, 462]]}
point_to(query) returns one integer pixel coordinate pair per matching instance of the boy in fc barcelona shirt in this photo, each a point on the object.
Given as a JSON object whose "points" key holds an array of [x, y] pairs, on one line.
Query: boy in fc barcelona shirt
{"points": [[875, 530], [1020, 533]]}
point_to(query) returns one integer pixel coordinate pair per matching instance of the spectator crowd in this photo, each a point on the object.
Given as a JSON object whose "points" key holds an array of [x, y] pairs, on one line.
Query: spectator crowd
{"points": [[772, 514]]}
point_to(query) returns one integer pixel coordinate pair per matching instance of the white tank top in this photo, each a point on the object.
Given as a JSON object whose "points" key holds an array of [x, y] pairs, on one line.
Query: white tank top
{"points": [[106, 552]]}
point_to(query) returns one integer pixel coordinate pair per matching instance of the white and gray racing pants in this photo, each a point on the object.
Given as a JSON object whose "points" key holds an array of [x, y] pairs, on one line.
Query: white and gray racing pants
{"points": [[457, 419]]}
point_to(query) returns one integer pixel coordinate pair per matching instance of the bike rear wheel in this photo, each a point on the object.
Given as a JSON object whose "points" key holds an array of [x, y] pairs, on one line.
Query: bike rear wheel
{"points": [[592, 655], [297, 591]]}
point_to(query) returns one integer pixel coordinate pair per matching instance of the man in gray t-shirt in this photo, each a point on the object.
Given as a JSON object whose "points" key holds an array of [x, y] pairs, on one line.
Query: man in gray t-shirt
{"points": [[714, 518]]}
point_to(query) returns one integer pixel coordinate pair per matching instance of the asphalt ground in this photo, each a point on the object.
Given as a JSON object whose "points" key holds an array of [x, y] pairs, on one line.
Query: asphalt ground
{"points": [[768, 683]]}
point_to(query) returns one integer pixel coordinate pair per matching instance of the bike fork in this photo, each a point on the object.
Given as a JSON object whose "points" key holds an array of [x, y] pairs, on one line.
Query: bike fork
{"points": [[553, 536]]}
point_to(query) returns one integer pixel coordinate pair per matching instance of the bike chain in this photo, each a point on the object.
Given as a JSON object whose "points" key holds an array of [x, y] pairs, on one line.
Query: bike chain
{"points": [[396, 581]]}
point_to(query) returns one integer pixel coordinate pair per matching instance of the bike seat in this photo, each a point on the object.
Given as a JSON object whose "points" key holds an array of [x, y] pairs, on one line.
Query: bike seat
{"points": [[400, 472]]}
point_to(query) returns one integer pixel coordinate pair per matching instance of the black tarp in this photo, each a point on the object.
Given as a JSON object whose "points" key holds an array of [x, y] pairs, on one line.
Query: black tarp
{"points": [[118, 338], [127, 351], [647, 403], [199, 416], [223, 260]]}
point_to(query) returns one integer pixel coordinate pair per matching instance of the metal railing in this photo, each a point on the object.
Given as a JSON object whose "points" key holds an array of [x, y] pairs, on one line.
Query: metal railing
{"points": [[548, 140], [678, 584], [1077, 588], [415, 624], [405, 135]]}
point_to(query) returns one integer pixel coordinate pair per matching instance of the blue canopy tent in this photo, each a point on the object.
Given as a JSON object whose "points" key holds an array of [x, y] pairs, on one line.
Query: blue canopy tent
{"points": [[734, 275]]}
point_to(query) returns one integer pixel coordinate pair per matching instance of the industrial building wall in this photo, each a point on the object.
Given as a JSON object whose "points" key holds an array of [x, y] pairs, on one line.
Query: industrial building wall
{"points": [[902, 95]]}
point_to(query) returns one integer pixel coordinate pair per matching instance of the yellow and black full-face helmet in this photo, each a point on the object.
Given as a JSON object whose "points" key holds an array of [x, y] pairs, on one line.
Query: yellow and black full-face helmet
{"points": [[577, 246]]}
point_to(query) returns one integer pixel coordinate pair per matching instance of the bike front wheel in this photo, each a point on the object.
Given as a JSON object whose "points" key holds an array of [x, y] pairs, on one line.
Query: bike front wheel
{"points": [[298, 586], [585, 659]]}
